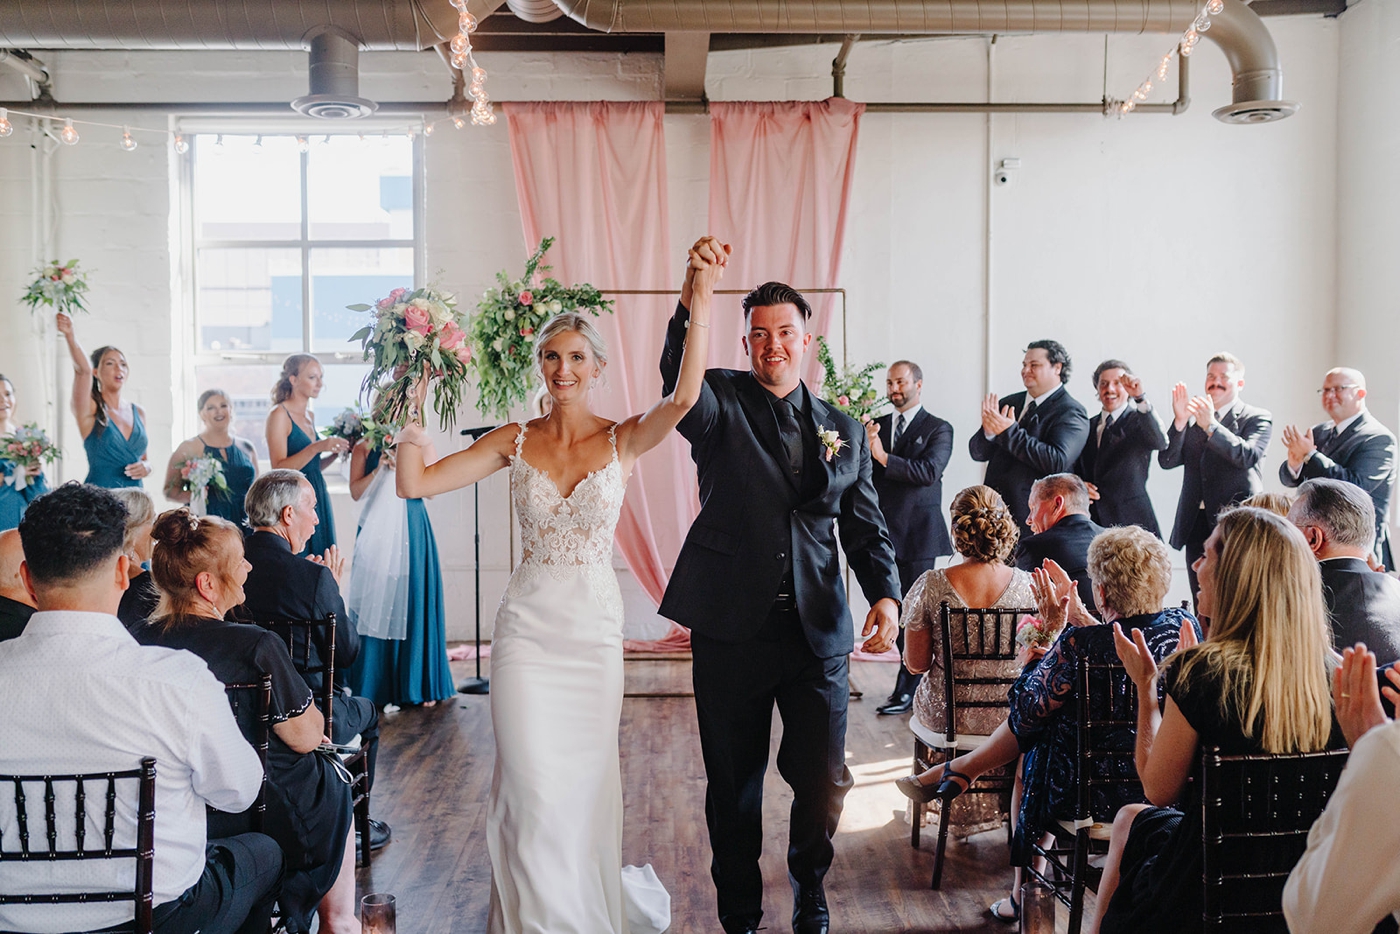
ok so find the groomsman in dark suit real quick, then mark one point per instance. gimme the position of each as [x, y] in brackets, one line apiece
[1063, 530]
[1353, 446]
[1363, 605]
[1221, 443]
[1116, 459]
[782, 476]
[910, 449]
[1032, 434]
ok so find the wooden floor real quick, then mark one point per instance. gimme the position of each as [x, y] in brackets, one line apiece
[435, 770]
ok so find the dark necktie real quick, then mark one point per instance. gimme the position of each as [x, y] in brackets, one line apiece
[1330, 441]
[898, 430]
[791, 433]
[1028, 413]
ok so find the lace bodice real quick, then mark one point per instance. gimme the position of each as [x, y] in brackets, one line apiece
[567, 535]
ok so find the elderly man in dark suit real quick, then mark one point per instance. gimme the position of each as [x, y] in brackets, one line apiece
[1116, 459]
[1363, 605]
[1031, 434]
[910, 448]
[1220, 442]
[758, 582]
[281, 507]
[1353, 446]
[1063, 530]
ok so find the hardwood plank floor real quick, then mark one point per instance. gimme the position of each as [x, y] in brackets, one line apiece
[435, 771]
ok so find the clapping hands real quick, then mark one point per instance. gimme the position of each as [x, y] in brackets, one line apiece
[331, 559]
[1057, 597]
[1299, 443]
[996, 420]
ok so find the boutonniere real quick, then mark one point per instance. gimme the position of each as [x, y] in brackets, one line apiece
[831, 440]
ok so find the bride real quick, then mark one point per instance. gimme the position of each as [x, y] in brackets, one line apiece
[554, 820]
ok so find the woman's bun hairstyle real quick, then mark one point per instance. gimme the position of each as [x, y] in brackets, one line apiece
[983, 528]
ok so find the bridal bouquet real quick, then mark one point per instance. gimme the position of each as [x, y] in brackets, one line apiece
[422, 332]
[28, 447]
[349, 424]
[850, 390]
[503, 330]
[197, 475]
[378, 436]
[58, 286]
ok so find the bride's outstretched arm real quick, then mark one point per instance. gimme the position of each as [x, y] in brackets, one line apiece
[415, 478]
[641, 433]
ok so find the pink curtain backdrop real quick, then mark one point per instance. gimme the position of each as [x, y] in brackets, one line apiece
[593, 175]
[780, 184]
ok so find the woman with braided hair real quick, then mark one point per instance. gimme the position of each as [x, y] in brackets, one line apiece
[984, 534]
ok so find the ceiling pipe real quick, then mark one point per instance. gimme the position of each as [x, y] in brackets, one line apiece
[535, 11]
[838, 66]
[25, 64]
[1258, 79]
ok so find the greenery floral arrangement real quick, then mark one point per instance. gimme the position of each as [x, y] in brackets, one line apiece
[28, 447]
[849, 389]
[349, 424]
[59, 286]
[415, 334]
[503, 330]
[197, 476]
[377, 436]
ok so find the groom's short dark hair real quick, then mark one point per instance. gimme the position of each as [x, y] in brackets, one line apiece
[776, 293]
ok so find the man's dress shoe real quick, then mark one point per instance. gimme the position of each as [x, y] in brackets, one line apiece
[379, 834]
[896, 704]
[809, 914]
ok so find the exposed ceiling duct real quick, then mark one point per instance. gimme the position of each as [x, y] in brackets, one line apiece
[535, 11]
[335, 79]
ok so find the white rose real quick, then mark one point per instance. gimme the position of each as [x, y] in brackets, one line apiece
[497, 344]
[420, 303]
[556, 306]
[510, 314]
[413, 341]
[439, 314]
[68, 278]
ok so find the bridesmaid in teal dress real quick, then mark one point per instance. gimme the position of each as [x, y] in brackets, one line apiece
[240, 459]
[113, 429]
[292, 442]
[13, 502]
[412, 670]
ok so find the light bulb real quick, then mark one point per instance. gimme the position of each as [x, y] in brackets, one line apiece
[459, 62]
[68, 135]
[458, 122]
[427, 129]
[1215, 7]
[362, 137]
[127, 142]
[6, 128]
[466, 22]
[182, 145]
[475, 90]
[1162, 68]
[303, 144]
[458, 4]
[478, 74]
[1191, 37]
[1202, 23]
[460, 44]
[412, 134]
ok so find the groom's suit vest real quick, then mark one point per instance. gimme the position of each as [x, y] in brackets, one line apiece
[754, 520]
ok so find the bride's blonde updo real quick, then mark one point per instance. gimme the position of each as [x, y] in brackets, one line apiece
[983, 528]
[562, 323]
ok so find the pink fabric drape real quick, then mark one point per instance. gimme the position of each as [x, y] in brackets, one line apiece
[593, 175]
[780, 183]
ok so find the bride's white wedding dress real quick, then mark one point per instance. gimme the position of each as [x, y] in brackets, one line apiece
[554, 821]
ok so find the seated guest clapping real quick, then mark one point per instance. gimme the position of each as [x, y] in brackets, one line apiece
[1363, 605]
[16, 605]
[1130, 570]
[281, 507]
[80, 695]
[199, 567]
[1259, 684]
[140, 598]
[983, 534]
[1349, 878]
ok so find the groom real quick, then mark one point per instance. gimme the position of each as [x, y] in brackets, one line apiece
[758, 583]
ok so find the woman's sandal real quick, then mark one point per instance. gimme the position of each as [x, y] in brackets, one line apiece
[946, 788]
[999, 904]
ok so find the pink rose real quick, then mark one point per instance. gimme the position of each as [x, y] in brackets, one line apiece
[464, 354]
[451, 336]
[417, 320]
[843, 400]
[384, 303]
[397, 294]
[526, 298]
[526, 331]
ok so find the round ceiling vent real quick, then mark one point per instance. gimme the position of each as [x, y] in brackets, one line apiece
[334, 106]
[1256, 111]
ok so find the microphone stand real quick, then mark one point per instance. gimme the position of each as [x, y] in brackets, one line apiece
[477, 685]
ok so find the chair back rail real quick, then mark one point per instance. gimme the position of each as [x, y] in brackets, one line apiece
[260, 692]
[300, 637]
[975, 634]
[143, 853]
[1256, 813]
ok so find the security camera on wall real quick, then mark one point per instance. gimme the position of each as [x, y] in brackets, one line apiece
[1005, 172]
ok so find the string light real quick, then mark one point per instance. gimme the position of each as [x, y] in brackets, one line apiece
[427, 129]
[6, 128]
[127, 142]
[1184, 47]
[303, 144]
[68, 136]
[182, 145]
[458, 122]
[464, 61]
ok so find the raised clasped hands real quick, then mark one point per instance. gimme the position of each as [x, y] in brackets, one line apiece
[881, 627]
[1299, 443]
[996, 420]
[707, 260]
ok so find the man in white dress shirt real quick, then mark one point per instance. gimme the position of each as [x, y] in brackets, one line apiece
[80, 695]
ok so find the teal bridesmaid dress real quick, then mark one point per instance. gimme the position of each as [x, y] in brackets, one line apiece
[109, 452]
[238, 474]
[324, 536]
[414, 669]
[14, 502]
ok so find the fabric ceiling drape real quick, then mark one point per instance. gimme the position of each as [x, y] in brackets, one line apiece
[593, 174]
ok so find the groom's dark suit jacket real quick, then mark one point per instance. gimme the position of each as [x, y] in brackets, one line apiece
[752, 515]
[1363, 454]
[1048, 442]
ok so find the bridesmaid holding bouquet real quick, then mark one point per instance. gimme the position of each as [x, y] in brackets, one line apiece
[20, 483]
[236, 455]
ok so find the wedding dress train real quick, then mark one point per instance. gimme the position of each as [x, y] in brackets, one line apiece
[554, 819]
